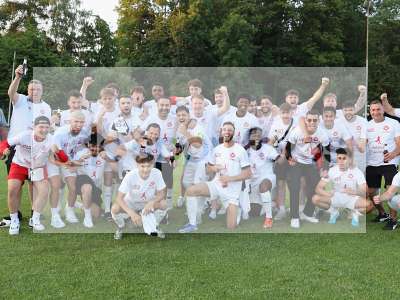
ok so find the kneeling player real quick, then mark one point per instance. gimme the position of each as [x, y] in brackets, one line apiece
[391, 195]
[349, 189]
[263, 178]
[142, 192]
[230, 162]
[29, 162]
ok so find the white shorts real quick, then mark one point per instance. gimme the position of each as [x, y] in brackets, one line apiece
[394, 203]
[223, 194]
[255, 187]
[110, 167]
[342, 200]
[64, 172]
[189, 172]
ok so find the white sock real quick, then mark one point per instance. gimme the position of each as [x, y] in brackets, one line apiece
[267, 203]
[61, 199]
[191, 208]
[36, 217]
[282, 208]
[54, 211]
[88, 213]
[119, 220]
[107, 198]
[169, 198]
[14, 217]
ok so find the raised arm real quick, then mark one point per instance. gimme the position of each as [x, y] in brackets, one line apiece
[318, 93]
[13, 88]
[227, 102]
[387, 107]
[362, 99]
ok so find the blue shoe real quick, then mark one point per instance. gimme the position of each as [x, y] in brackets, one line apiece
[333, 217]
[355, 222]
[188, 228]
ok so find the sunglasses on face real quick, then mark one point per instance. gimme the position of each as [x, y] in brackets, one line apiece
[312, 120]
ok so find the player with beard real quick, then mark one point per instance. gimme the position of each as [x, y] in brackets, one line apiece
[357, 126]
[383, 148]
[266, 115]
[230, 162]
[349, 189]
[157, 91]
[303, 150]
[300, 110]
[262, 158]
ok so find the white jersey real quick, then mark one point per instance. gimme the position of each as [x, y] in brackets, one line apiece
[396, 180]
[207, 121]
[133, 149]
[351, 178]
[93, 166]
[220, 119]
[302, 151]
[24, 114]
[277, 132]
[242, 126]
[379, 134]
[262, 161]
[337, 135]
[138, 191]
[69, 143]
[108, 119]
[266, 123]
[358, 130]
[30, 153]
[233, 159]
[66, 118]
[300, 111]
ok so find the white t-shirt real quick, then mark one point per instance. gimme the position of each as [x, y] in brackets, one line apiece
[242, 126]
[262, 161]
[300, 111]
[277, 131]
[220, 119]
[396, 180]
[158, 150]
[24, 114]
[70, 144]
[337, 135]
[207, 121]
[351, 178]
[138, 191]
[93, 166]
[379, 134]
[28, 152]
[108, 118]
[266, 123]
[66, 118]
[358, 130]
[303, 152]
[234, 159]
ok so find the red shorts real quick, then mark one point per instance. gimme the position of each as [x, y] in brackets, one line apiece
[18, 172]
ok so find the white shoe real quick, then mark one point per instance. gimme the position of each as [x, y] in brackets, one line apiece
[14, 228]
[280, 215]
[179, 201]
[213, 214]
[308, 219]
[56, 221]
[245, 215]
[295, 223]
[222, 211]
[78, 204]
[88, 222]
[70, 215]
[38, 227]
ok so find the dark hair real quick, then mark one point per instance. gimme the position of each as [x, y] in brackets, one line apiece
[229, 123]
[153, 125]
[125, 96]
[329, 109]
[341, 151]
[266, 97]
[74, 93]
[347, 104]
[292, 92]
[196, 83]
[137, 89]
[42, 120]
[285, 107]
[244, 96]
[313, 112]
[95, 139]
[253, 129]
[375, 102]
[144, 158]
[182, 108]
[113, 85]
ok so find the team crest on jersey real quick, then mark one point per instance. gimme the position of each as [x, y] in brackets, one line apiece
[98, 162]
[335, 133]
[386, 128]
[152, 183]
[350, 176]
[315, 139]
[232, 155]
[169, 124]
[262, 156]
[358, 128]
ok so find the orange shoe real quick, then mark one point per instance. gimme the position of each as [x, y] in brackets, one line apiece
[268, 223]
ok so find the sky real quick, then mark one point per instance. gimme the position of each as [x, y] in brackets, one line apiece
[105, 9]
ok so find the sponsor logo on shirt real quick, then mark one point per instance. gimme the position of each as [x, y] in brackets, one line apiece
[386, 128]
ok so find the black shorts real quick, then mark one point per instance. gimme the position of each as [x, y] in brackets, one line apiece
[374, 175]
[281, 170]
[81, 180]
[167, 173]
[9, 159]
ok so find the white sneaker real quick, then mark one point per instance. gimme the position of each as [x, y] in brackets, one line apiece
[222, 211]
[38, 227]
[88, 222]
[70, 215]
[56, 221]
[308, 219]
[78, 204]
[245, 215]
[179, 201]
[280, 215]
[14, 228]
[213, 214]
[295, 223]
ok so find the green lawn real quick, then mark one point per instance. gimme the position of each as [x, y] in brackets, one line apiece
[219, 266]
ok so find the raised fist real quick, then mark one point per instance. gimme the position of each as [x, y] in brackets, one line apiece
[19, 71]
[384, 97]
[362, 88]
[325, 81]
[88, 81]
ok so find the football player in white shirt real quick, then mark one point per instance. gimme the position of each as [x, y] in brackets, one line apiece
[89, 180]
[219, 102]
[349, 189]
[195, 87]
[392, 196]
[300, 110]
[242, 120]
[157, 92]
[303, 149]
[67, 142]
[253, 109]
[75, 104]
[141, 196]
[29, 162]
[137, 96]
[339, 136]
[230, 162]
[357, 127]
[266, 114]
[278, 136]
[263, 180]
[383, 148]
[330, 100]
[26, 108]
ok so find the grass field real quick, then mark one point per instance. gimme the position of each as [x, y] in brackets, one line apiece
[198, 266]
